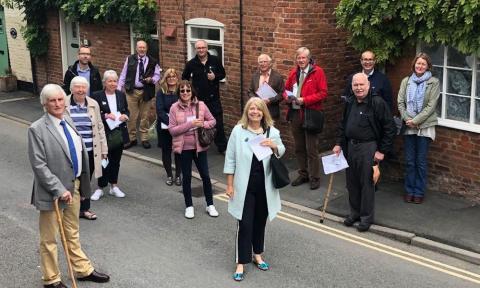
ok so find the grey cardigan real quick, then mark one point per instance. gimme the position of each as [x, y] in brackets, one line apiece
[51, 164]
[428, 116]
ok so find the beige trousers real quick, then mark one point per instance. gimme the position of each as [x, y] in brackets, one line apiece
[138, 109]
[49, 229]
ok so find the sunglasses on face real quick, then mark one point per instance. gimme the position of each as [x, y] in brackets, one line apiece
[185, 90]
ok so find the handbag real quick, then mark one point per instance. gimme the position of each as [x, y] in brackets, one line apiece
[280, 176]
[313, 120]
[114, 139]
[205, 135]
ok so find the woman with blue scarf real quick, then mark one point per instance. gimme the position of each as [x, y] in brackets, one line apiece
[417, 101]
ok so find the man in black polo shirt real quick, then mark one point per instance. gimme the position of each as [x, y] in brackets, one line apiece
[206, 71]
[366, 133]
[139, 75]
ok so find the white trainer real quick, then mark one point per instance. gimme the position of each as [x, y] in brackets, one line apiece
[189, 212]
[212, 211]
[115, 191]
[96, 195]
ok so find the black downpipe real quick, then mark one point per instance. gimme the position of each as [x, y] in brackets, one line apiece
[241, 56]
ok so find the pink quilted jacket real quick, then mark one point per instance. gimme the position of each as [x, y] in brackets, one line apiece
[178, 125]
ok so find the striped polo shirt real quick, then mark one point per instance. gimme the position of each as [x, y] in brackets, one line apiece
[81, 119]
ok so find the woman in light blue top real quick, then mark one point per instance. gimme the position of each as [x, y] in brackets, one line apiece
[249, 183]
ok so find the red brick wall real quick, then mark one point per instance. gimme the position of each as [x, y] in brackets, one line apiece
[454, 156]
[277, 28]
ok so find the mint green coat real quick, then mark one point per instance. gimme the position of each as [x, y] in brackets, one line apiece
[238, 161]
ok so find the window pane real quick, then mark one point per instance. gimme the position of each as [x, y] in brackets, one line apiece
[477, 111]
[439, 106]
[458, 108]
[206, 33]
[478, 82]
[438, 73]
[459, 82]
[435, 53]
[457, 59]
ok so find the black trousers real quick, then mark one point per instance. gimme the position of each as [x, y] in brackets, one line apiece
[165, 142]
[251, 229]
[201, 162]
[110, 174]
[361, 191]
[85, 203]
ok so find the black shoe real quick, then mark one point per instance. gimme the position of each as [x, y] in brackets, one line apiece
[314, 184]
[146, 144]
[169, 181]
[55, 285]
[299, 181]
[178, 181]
[349, 221]
[363, 227]
[130, 144]
[95, 277]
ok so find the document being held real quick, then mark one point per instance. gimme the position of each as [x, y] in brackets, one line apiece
[265, 91]
[260, 151]
[333, 163]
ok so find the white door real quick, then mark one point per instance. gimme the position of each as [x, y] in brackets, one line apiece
[70, 41]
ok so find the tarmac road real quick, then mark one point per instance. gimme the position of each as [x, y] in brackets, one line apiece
[143, 240]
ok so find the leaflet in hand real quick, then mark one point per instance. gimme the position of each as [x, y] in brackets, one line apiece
[333, 163]
[265, 91]
[261, 152]
[294, 94]
[112, 124]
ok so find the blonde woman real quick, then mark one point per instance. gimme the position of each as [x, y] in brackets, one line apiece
[166, 96]
[249, 183]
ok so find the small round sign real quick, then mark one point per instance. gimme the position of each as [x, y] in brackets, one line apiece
[13, 33]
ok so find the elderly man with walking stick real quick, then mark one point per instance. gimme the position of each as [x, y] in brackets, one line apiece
[60, 167]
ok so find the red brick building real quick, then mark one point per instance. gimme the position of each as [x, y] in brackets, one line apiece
[238, 31]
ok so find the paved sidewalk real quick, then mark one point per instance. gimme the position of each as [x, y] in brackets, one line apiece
[441, 219]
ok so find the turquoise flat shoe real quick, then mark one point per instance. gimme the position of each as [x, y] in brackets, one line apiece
[262, 266]
[238, 277]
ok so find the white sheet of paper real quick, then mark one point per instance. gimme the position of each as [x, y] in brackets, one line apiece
[294, 94]
[332, 163]
[104, 163]
[112, 124]
[260, 151]
[190, 119]
[265, 91]
[163, 126]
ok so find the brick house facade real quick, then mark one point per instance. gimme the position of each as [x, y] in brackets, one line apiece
[277, 28]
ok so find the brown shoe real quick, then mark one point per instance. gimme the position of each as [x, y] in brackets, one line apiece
[299, 181]
[130, 144]
[314, 184]
[408, 198]
[417, 200]
[55, 285]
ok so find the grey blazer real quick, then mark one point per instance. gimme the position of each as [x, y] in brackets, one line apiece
[51, 164]
[277, 83]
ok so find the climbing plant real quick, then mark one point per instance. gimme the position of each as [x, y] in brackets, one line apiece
[386, 26]
[140, 13]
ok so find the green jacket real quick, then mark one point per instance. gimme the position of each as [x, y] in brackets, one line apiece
[428, 116]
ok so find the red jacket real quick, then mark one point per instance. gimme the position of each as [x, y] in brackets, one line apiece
[314, 88]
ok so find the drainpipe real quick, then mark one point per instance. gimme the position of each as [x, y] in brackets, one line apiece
[241, 56]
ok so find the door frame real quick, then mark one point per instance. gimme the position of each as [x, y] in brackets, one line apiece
[63, 41]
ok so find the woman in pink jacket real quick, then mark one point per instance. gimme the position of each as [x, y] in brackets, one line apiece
[183, 126]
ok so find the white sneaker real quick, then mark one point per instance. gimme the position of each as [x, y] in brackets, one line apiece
[115, 191]
[189, 212]
[212, 211]
[96, 195]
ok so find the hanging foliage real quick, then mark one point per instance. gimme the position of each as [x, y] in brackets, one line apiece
[140, 13]
[385, 26]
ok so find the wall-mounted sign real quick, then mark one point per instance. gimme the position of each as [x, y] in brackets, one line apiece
[13, 33]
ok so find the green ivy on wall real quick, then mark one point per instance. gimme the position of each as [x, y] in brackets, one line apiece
[140, 13]
[385, 26]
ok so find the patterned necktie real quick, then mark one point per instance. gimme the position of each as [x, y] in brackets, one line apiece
[300, 84]
[141, 70]
[71, 147]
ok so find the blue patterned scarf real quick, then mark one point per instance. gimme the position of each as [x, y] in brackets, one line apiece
[416, 93]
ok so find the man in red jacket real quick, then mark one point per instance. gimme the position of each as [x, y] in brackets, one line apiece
[306, 88]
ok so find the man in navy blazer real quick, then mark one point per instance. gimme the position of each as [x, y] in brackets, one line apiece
[59, 161]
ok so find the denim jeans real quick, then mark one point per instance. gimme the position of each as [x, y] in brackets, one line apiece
[416, 149]
[201, 162]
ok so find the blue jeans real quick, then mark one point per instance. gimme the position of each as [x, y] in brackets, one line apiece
[416, 149]
[201, 162]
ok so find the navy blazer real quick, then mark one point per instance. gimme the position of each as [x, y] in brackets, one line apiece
[122, 107]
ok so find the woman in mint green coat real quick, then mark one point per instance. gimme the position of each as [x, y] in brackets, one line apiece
[249, 183]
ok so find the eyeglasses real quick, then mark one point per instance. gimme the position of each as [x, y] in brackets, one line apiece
[185, 91]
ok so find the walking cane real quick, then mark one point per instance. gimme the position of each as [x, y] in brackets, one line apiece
[64, 242]
[327, 195]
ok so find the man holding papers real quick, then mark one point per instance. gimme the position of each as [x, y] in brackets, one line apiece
[267, 84]
[366, 133]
